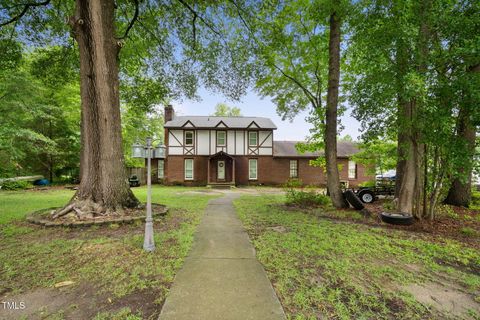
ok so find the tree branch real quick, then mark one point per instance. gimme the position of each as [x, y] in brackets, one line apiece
[196, 15]
[24, 11]
[132, 22]
[305, 90]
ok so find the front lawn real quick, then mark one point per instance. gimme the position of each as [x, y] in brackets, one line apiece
[324, 268]
[113, 278]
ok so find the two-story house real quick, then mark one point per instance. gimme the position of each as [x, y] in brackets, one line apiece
[208, 150]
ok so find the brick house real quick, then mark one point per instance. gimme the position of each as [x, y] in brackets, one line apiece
[208, 150]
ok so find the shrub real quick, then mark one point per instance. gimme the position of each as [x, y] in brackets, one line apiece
[15, 185]
[307, 198]
[389, 205]
[469, 232]
[296, 195]
[444, 210]
[367, 184]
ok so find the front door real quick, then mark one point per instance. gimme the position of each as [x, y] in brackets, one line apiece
[221, 170]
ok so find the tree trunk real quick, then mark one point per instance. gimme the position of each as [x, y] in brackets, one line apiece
[460, 192]
[401, 154]
[104, 184]
[333, 178]
[402, 105]
[412, 187]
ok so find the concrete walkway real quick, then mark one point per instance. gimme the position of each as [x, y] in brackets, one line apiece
[221, 278]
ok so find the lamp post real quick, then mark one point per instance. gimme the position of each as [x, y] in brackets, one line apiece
[139, 151]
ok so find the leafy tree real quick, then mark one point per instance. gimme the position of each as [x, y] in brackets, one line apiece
[151, 35]
[413, 86]
[223, 110]
[298, 46]
[39, 128]
[378, 156]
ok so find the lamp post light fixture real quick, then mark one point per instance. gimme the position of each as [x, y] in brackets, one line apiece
[139, 151]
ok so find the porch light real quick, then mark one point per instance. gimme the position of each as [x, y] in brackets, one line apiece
[138, 151]
[159, 152]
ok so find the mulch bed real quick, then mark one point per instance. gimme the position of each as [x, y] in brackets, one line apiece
[443, 226]
[43, 217]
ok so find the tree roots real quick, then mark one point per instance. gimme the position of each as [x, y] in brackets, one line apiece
[86, 209]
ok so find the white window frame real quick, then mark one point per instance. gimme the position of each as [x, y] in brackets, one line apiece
[249, 139]
[250, 176]
[224, 144]
[293, 169]
[352, 169]
[161, 169]
[193, 138]
[185, 169]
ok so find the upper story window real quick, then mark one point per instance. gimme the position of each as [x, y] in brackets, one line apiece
[189, 138]
[221, 138]
[352, 170]
[252, 138]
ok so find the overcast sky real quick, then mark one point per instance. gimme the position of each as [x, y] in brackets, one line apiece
[253, 105]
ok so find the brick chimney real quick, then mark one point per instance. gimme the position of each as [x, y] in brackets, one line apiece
[169, 113]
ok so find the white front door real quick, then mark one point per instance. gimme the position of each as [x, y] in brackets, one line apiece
[221, 170]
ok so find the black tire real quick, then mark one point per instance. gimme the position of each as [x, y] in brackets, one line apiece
[366, 196]
[397, 218]
[353, 200]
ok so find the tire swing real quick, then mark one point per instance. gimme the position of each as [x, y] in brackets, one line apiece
[398, 218]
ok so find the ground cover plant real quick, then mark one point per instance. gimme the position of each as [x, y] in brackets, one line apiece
[327, 268]
[113, 278]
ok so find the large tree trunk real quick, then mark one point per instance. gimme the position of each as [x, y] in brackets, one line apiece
[460, 192]
[104, 184]
[333, 178]
[411, 198]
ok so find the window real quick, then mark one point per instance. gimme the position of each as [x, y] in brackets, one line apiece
[189, 138]
[352, 170]
[221, 138]
[293, 169]
[252, 169]
[188, 169]
[161, 168]
[252, 138]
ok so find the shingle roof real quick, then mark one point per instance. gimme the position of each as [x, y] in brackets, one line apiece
[345, 149]
[229, 122]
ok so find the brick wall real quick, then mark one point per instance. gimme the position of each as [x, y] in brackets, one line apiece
[271, 171]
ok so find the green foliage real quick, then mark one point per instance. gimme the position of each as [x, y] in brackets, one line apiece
[444, 210]
[369, 184]
[389, 206]
[224, 110]
[469, 232]
[15, 185]
[378, 156]
[298, 196]
[423, 57]
[40, 115]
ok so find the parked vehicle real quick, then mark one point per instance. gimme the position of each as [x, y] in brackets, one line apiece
[384, 186]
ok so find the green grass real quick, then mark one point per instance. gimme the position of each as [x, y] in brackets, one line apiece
[342, 270]
[108, 259]
[16, 204]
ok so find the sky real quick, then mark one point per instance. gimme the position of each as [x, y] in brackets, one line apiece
[253, 105]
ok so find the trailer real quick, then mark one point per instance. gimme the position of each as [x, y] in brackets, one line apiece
[384, 186]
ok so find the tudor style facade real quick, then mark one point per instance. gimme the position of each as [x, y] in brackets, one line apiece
[240, 151]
